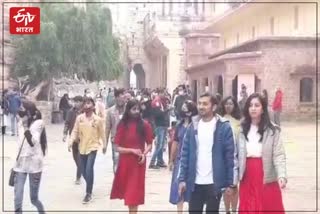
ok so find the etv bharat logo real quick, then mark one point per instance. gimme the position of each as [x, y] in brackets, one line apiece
[24, 20]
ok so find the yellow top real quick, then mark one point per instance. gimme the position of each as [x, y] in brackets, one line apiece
[235, 124]
[89, 132]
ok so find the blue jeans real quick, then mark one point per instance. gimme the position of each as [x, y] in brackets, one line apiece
[115, 158]
[13, 122]
[34, 182]
[161, 133]
[87, 168]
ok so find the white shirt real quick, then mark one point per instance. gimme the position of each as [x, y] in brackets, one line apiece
[254, 147]
[204, 174]
[31, 158]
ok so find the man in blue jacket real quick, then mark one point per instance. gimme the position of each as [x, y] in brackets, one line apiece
[14, 102]
[209, 159]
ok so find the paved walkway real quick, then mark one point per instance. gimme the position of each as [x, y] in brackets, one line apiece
[59, 193]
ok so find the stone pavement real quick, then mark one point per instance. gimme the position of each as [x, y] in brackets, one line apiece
[58, 192]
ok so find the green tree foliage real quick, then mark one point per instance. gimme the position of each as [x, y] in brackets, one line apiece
[72, 40]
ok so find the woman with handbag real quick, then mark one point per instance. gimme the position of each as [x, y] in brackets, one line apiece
[32, 149]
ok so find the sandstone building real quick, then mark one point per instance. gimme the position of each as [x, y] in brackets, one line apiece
[261, 45]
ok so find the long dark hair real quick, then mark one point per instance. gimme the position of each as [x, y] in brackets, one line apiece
[236, 110]
[126, 118]
[265, 121]
[192, 107]
[34, 114]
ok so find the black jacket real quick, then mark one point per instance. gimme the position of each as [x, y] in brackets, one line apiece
[70, 120]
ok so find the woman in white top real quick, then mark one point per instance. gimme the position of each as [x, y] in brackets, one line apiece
[262, 161]
[30, 162]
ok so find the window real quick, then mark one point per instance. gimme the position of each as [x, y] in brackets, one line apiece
[296, 17]
[306, 89]
[253, 32]
[272, 25]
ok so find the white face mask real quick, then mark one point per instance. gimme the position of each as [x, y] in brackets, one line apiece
[145, 99]
[181, 92]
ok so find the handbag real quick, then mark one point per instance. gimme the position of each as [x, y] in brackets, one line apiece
[12, 172]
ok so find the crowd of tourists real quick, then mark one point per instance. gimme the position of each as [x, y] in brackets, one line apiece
[218, 147]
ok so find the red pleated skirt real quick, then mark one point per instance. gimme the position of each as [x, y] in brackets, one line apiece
[256, 197]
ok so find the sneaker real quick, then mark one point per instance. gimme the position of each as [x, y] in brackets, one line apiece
[77, 182]
[163, 165]
[154, 167]
[87, 199]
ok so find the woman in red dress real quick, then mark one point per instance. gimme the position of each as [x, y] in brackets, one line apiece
[262, 160]
[133, 133]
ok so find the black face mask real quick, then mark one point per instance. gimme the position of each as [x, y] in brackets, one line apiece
[183, 114]
[22, 113]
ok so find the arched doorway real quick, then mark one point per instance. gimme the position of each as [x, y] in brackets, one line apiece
[140, 76]
[235, 87]
[220, 85]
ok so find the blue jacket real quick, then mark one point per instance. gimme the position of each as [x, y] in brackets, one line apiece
[14, 103]
[224, 156]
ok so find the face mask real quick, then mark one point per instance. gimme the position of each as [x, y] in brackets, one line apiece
[181, 92]
[135, 115]
[22, 113]
[87, 110]
[183, 114]
[145, 99]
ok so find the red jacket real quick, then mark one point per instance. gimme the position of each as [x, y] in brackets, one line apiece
[277, 103]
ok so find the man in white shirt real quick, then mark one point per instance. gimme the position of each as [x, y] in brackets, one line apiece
[209, 160]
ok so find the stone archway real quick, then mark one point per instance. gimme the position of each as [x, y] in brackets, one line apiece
[235, 87]
[140, 76]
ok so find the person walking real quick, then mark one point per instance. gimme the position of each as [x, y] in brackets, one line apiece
[89, 130]
[133, 141]
[189, 110]
[68, 127]
[230, 110]
[208, 163]
[32, 147]
[14, 102]
[114, 115]
[64, 105]
[182, 96]
[262, 160]
[161, 115]
[277, 106]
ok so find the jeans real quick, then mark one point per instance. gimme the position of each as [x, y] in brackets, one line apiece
[115, 158]
[76, 158]
[34, 182]
[276, 116]
[204, 194]
[161, 133]
[13, 122]
[87, 168]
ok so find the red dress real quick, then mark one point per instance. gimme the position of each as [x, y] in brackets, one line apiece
[129, 180]
[254, 195]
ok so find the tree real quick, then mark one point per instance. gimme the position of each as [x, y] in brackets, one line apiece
[72, 40]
